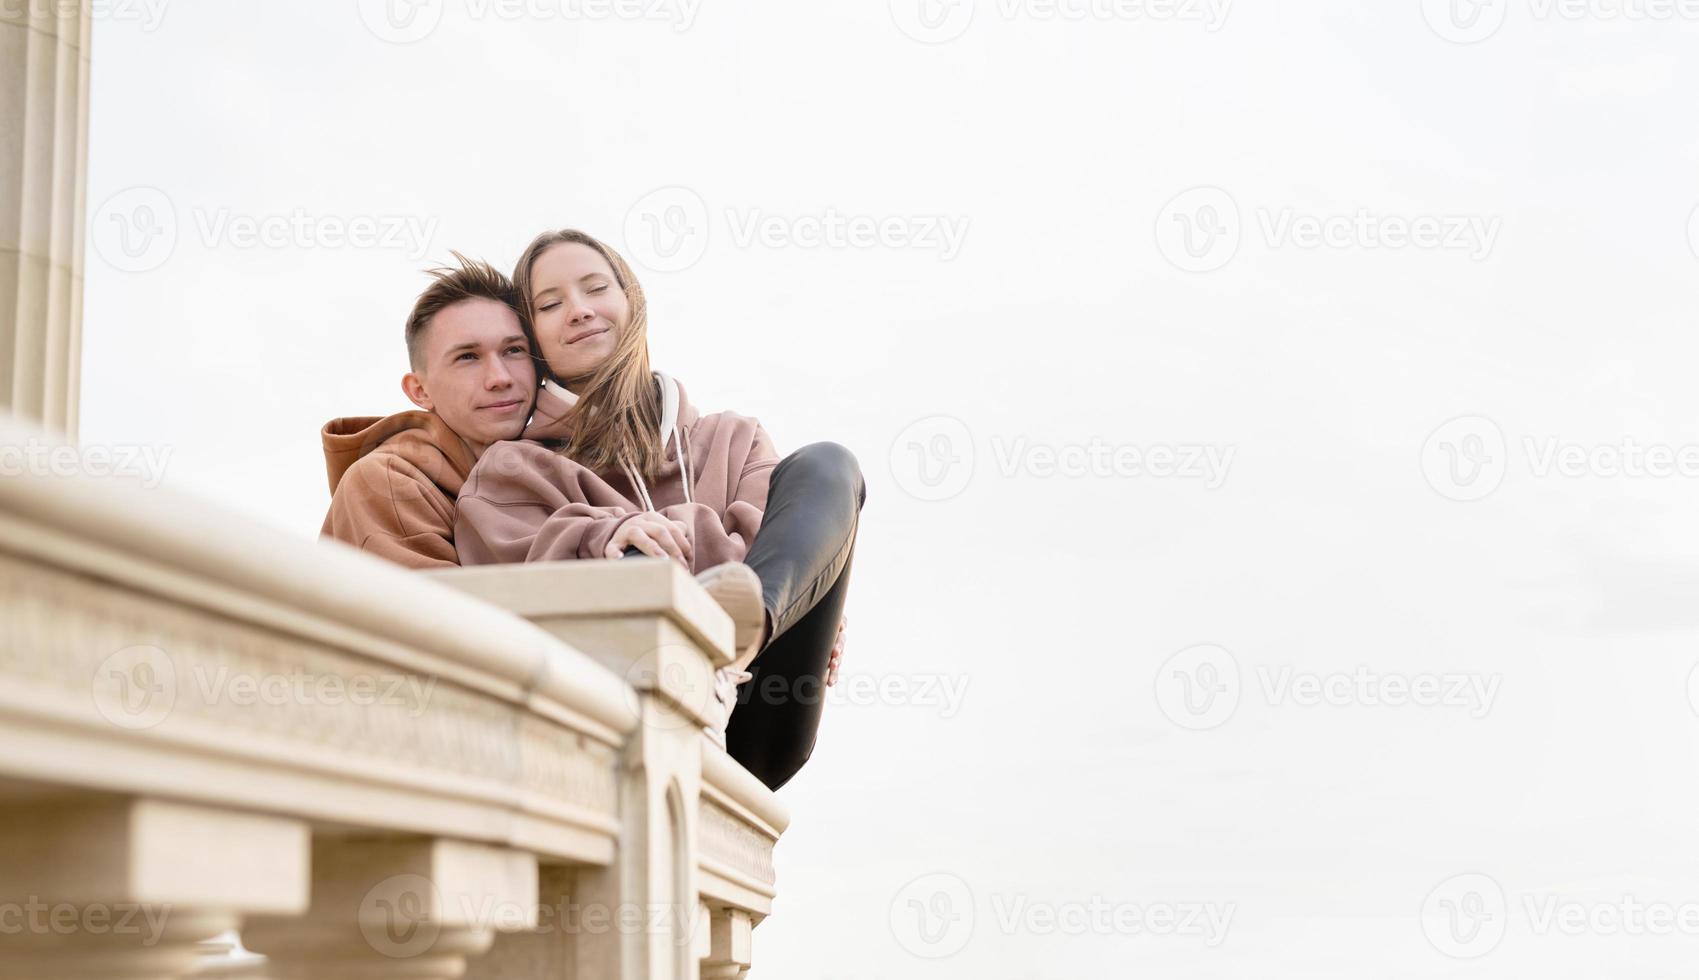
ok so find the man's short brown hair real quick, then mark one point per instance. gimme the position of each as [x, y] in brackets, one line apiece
[472, 280]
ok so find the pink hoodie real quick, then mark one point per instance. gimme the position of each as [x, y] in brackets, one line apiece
[524, 501]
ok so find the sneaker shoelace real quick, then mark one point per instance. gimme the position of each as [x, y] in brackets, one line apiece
[726, 681]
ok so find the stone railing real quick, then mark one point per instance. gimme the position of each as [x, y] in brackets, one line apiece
[208, 727]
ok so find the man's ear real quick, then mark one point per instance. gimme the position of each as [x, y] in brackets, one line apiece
[414, 387]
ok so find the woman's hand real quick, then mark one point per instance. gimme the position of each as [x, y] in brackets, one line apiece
[837, 654]
[654, 535]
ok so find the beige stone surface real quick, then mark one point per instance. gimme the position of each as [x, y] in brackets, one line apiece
[44, 79]
[554, 592]
[525, 762]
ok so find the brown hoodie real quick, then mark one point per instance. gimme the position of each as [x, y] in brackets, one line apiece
[527, 502]
[392, 486]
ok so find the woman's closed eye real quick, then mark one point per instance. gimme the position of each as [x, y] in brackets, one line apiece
[548, 306]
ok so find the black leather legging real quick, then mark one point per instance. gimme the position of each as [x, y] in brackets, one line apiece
[802, 554]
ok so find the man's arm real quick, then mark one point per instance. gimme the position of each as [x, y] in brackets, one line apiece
[386, 506]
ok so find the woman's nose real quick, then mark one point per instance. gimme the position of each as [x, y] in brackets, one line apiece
[581, 314]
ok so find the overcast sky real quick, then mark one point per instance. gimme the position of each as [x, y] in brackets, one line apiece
[1273, 416]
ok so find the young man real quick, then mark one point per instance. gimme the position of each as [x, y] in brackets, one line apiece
[394, 480]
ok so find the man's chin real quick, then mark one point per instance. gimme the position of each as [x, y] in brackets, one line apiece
[486, 434]
[504, 435]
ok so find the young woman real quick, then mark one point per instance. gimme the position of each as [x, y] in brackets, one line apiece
[616, 461]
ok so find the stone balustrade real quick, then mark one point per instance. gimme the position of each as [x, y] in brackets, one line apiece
[209, 726]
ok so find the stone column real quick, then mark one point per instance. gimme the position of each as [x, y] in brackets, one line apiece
[44, 87]
[649, 622]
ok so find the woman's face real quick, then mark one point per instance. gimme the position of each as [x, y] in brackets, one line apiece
[579, 309]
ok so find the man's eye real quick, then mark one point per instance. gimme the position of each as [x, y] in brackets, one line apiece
[516, 349]
[465, 354]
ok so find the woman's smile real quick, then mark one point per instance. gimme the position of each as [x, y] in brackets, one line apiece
[583, 335]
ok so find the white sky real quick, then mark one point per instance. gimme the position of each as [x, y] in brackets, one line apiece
[1059, 323]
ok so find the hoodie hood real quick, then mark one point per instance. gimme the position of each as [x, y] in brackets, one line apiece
[421, 438]
[549, 424]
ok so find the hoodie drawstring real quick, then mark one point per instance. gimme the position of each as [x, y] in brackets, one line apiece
[684, 464]
[636, 479]
[686, 472]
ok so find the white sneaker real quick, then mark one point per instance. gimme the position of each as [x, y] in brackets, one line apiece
[737, 589]
[726, 681]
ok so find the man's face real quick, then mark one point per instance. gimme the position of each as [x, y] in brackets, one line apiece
[476, 372]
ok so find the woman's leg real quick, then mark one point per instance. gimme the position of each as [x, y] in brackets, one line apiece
[778, 714]
[802, 555]
[807, 531]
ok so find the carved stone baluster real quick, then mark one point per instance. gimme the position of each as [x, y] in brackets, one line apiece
[415, 908]
[729, 945]
[129, 888]
[548, 951]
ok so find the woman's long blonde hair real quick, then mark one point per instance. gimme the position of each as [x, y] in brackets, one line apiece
[618, 413]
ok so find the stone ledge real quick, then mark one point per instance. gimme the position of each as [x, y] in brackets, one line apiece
[188, 550]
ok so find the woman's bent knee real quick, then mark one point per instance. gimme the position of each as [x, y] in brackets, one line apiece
[827, 462]
[776, 769]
